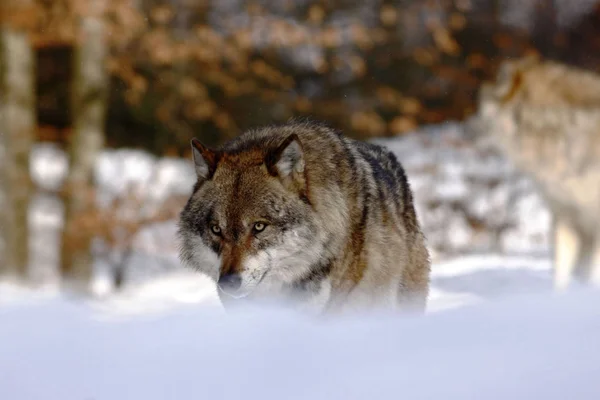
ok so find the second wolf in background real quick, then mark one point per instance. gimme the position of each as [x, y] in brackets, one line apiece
[545, 117]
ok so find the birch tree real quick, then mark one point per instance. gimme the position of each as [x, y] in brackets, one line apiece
[90, 92]
[17, 123]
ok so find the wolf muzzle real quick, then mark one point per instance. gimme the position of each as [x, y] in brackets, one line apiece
[230, 283]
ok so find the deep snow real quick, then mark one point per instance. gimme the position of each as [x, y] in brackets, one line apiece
[493, 330]
[533, 347]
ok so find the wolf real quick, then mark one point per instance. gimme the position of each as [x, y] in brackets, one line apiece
[300, 214]
[545, 117]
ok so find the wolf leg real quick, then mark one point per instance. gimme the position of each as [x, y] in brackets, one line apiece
[567, 247]
[593, 273]
[413, 300]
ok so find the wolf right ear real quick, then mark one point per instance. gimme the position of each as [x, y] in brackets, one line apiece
[288, 164]
[288, 159]
[205, 160]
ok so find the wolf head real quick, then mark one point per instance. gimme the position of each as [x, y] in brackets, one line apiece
[249, 224]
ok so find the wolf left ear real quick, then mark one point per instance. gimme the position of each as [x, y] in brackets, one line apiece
[205, 160]
[287, 162]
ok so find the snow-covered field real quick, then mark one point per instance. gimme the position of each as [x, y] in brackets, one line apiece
[494, 329]
[531, 347]
[463, 281]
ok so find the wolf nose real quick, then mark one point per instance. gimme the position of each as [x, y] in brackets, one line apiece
[230, 282]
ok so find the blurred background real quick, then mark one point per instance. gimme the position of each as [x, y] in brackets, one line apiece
[100, 98]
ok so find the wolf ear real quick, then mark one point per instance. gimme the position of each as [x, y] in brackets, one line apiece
[205, 160]
[287, 162]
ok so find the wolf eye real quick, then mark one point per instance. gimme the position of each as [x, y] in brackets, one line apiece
[259, 226]
[215, 229]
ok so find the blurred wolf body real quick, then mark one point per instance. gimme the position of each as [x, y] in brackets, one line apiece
[545, 117]
[300, 214]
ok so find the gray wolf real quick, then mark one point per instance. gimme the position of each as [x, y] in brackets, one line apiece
[302, 214]
[545, 117]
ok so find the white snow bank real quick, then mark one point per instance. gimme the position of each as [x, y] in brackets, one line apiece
[482, 278]
[459, 282]
[530, 348]
[158, 296]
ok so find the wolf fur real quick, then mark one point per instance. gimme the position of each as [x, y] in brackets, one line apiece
[300, 213]
[545, 117]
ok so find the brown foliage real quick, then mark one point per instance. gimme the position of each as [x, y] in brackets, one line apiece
[208, 69]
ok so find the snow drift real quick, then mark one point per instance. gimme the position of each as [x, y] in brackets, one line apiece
[537, 347]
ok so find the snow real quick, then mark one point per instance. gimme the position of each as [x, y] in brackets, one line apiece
[533, 347]
[49, 165]
[494, 329]
[458, 282]
[483, 278]
[151, 177]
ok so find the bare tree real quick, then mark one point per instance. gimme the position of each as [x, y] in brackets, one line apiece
[17, 123]
[90, 92]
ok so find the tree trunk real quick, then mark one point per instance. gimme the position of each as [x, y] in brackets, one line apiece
[90, 93]
[17, 124]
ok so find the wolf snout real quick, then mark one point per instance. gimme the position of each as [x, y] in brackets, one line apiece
[230, 283]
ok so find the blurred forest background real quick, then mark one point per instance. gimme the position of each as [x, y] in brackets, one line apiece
[90, 75]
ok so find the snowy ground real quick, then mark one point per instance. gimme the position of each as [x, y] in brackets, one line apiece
[493, 330]
[531, 347]
[463, 281]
